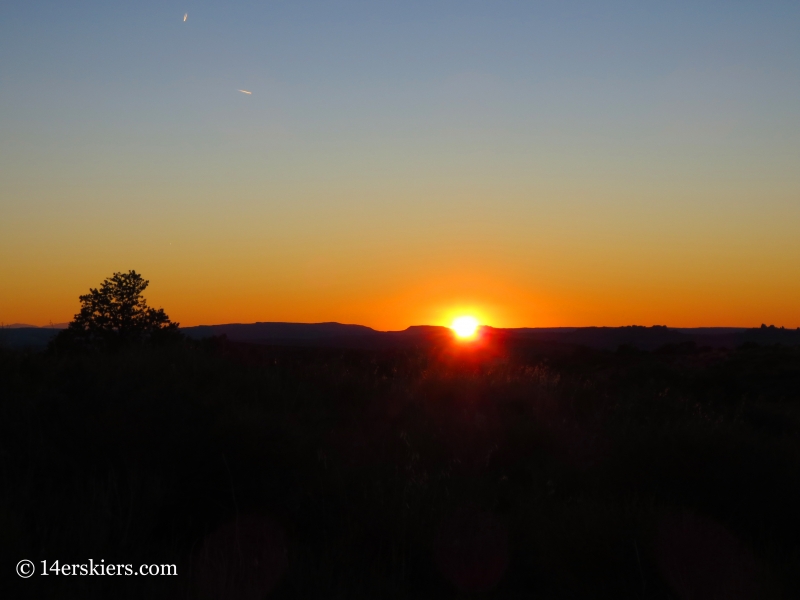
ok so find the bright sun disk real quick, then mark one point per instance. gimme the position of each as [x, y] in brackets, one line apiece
[465, 327]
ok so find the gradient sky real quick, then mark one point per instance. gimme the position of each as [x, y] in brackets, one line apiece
[535, 163]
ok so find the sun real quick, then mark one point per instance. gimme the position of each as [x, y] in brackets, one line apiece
[465, 327]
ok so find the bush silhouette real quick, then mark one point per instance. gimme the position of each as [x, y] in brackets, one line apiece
[116, 315]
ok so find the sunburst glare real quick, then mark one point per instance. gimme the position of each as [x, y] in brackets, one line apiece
[465, 327]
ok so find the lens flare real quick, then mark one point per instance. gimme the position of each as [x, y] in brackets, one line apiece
[465, 327]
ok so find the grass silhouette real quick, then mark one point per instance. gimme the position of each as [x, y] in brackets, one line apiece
[535, 470]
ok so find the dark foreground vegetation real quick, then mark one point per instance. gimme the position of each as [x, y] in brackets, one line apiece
[526, 471]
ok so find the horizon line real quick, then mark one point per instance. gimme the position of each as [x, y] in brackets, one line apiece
[63, 325]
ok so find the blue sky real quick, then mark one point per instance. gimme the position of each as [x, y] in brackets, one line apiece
[612, 130]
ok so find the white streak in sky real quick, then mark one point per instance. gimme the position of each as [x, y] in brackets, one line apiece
[185, 16]
[245, 92]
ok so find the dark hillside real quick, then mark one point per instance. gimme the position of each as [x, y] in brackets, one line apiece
[511, 468]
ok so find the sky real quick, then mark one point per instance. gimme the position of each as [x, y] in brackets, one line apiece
[535, 164]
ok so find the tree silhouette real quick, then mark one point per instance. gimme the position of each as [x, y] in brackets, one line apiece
[116, 315]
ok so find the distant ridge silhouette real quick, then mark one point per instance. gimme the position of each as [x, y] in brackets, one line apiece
[26, 326]
[341, 335]
[319, 334]
[278, 331]
[611, 338]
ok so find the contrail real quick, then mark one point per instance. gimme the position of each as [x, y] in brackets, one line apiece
[185, 16]
[246, 92]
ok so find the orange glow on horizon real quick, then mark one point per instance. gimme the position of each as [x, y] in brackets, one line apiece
[210, 295]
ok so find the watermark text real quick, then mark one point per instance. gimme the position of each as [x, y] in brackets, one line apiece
[26, 568]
